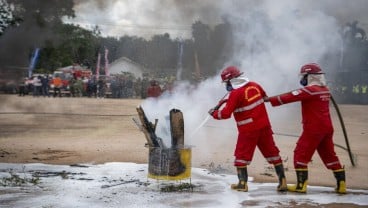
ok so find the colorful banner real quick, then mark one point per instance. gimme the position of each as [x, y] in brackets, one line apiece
[106, 63]
[98, 65]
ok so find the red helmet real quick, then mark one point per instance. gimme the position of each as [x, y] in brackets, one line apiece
[311, 68]
[230, 73]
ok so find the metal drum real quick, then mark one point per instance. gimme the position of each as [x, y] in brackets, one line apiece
[170, 163]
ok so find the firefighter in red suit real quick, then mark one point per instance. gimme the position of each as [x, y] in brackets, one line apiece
[245, 102]
[317, 127]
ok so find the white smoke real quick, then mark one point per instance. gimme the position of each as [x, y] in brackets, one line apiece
[146, 18]
[273, 40]
[193, 101]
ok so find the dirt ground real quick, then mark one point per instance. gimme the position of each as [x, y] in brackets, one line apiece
[95, 131]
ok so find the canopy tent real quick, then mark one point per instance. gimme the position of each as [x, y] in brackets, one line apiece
[124, 64]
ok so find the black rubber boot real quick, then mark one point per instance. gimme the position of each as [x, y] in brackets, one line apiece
[340, 180]
[302, 180]
[243, 179]
[279, 168]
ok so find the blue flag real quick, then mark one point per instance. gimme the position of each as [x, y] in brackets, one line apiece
[33, 62]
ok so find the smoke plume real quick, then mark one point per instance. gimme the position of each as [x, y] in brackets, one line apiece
[273, 40]
[146, 18]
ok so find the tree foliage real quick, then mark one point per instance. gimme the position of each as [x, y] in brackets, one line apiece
[7, 19]
[355, 54]
[39, 19]
[74, 45]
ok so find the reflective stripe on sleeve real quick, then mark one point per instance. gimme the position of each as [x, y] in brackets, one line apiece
[315, 93]
[219, 115]
[279, 99]
[249, 107]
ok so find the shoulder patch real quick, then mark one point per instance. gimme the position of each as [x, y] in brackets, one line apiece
[295, 92]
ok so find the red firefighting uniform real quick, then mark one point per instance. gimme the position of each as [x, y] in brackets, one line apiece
[254, 128]
[317, 125]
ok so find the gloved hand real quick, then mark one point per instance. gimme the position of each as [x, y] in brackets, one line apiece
[266, 99]
[220, 103]
[211, 111]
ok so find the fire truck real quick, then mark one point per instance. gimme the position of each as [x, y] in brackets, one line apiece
[67, 74]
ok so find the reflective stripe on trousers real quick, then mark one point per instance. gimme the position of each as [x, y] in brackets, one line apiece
[243, 122]
[242, 162]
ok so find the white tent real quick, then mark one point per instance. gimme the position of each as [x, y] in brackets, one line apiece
[124, 64]
[72, 67]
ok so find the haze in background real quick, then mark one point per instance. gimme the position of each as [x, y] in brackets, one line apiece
[146, 18]
[273, 40]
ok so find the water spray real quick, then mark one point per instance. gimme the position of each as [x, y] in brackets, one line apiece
[200, 126]
[221, 102]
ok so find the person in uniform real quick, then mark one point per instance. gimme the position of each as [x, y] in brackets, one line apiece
[317, 127]
[245, 102]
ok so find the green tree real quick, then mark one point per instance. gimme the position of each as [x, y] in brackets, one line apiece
[163, 52]
[355, 48]
[38, 27]
[74, 45]
[202, 34]
[222, 46]
[7, 19]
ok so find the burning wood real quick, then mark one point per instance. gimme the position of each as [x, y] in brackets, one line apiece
[172, 163]
[149, 129]
[177, 128]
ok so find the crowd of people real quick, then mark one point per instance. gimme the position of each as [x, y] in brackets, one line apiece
[356, 93]
[114, 86]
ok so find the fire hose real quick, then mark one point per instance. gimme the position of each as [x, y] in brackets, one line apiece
[344, 131]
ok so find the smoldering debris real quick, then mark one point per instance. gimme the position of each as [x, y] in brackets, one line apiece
[169, 163]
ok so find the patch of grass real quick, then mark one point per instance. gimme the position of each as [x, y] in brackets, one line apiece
[183, 187]
[15, 180]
